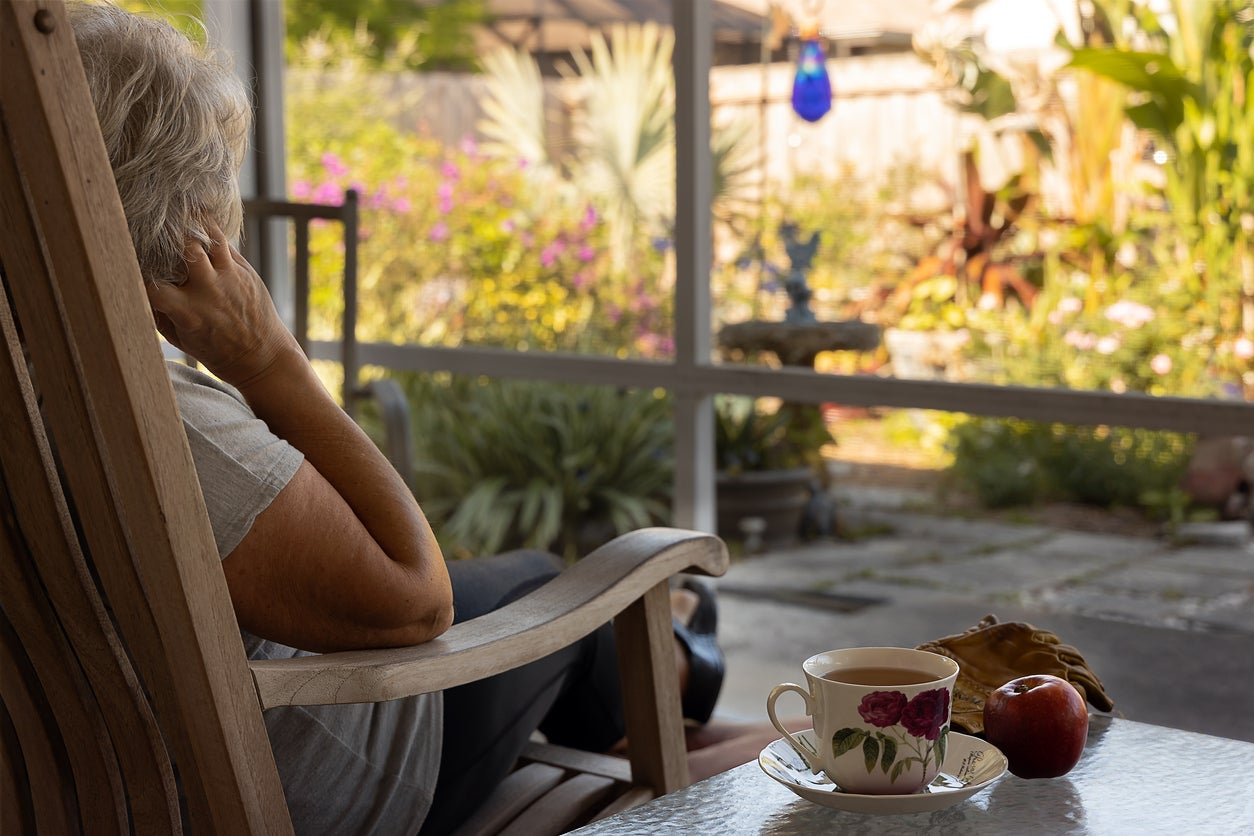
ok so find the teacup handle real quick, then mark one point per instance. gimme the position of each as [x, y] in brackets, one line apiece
[775, 694]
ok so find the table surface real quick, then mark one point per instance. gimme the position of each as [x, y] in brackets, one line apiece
[1132, 778]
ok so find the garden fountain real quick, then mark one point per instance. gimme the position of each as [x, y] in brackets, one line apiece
[800, 337]
[796, 341]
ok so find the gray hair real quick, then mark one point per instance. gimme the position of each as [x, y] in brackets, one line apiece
[175, 121]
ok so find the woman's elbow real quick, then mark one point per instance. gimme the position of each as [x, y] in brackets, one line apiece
[431, 616]
[440, 620]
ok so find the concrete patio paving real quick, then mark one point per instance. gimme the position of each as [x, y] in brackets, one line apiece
[1169, 628]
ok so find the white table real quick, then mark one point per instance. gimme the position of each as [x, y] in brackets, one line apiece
[1134, 778]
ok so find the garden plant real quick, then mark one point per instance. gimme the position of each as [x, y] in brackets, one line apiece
[535, 238]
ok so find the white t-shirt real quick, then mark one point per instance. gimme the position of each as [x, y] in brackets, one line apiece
[346, 769]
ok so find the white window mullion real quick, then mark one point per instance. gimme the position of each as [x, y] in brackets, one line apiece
[694, 503]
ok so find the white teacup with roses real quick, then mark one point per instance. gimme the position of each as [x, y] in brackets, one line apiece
[881, 717]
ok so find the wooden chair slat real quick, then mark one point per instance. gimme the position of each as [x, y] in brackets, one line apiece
[42, 750]
[567, 805]
[113, 417]
[618, 769]
[97, 778]
[651, 702]
[517, 792]
[575, 760]
[16, 815]
[67, 588]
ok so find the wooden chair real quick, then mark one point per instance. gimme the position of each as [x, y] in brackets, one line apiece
[121, 663]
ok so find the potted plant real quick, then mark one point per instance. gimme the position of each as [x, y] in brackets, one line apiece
[769, 465]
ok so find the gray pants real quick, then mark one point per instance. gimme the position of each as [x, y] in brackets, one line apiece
[573, 696]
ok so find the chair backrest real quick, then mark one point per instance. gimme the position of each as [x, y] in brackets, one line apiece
[121, 664]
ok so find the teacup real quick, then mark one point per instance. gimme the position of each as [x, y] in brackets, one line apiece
[881, 717]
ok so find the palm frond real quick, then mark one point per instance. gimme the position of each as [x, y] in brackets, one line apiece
[627, 130]
[515, 123]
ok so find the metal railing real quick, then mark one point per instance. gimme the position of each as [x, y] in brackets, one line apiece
[392, 404]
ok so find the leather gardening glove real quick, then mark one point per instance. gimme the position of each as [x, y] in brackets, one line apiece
[992, 653]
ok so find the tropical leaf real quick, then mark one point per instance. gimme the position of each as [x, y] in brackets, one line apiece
[1187, 75]
[627, 512]
[622, 151]
[626, 133]
[1151, 73]
[514, 120]
[532, 504]
[990, 95]
[1148, 116]
[747, 439]
[549, 526]
[737, 173]
[484, 515]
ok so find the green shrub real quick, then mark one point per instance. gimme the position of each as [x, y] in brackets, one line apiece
[1008, 462]
[510, 464]
[1116, 466]
[748, 438]
[997, 460]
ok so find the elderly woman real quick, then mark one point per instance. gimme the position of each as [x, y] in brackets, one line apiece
[323, 546]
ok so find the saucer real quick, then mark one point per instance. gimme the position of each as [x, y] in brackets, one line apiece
[970, 765]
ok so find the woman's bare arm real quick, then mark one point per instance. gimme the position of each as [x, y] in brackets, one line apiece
[343, 557]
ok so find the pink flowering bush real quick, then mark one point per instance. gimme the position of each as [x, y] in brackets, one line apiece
[457, 248]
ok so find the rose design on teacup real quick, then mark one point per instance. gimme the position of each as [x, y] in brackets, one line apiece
[924, 719]
[882, 708]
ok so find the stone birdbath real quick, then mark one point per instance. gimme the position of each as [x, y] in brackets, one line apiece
[800, 337]
[797, 341]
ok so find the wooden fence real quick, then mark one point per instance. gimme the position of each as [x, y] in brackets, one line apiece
[888, 118]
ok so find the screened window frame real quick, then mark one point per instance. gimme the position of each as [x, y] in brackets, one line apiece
[694, 377]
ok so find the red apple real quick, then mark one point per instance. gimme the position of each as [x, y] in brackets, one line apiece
[1039, 723]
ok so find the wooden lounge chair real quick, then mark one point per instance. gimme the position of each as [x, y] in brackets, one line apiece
[121, 663]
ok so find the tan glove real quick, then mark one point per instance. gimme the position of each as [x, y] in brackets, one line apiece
[992, 653]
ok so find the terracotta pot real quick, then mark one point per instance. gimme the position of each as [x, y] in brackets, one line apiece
[777, 497]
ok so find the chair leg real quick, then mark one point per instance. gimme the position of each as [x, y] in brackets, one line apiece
[646, 662]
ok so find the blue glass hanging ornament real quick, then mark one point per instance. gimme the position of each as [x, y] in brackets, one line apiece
[811, 89]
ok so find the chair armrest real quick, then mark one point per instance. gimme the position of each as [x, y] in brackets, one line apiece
[578, 601]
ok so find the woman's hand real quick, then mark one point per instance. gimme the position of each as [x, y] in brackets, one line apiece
[222, 314]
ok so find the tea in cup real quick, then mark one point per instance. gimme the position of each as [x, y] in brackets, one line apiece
[881, 717]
